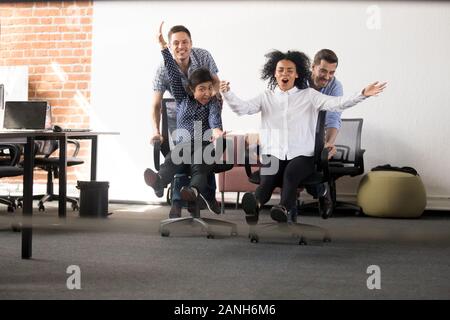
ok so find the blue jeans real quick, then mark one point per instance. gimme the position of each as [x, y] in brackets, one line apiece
[180, 180]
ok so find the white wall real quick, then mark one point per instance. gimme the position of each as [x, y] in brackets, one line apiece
[404, 43]
[15, 86]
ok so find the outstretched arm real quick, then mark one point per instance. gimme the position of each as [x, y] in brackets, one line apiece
[215, 117]
[239, 106]
[178, 91]
[324, 102]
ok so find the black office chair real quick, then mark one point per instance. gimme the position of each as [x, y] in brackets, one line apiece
[168, 124]
[9, 159]
[321, 175]
[348, 161]
[44, 149]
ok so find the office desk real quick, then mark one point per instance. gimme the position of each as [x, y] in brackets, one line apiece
[28, 138]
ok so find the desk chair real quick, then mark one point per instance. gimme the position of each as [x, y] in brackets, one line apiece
[348, 161]
[9, 159]
[168, 124]
[321, 175]
[44, 149]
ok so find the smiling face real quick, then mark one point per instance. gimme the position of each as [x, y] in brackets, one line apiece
[323, 73]
[180, 45]
[286, 73]
[203, 92]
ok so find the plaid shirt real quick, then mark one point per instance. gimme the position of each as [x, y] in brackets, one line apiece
[333, 118]
[199, 58]
[189, 110]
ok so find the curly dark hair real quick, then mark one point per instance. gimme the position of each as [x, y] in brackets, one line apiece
[301, 61]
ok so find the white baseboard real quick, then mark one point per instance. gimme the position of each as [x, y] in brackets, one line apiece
[433, 202]
[16, 189]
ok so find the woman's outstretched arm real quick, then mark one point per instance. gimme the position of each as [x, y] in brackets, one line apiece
[240, 107]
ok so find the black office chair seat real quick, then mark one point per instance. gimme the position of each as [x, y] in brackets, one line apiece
[10, 171]
[54, 161]
[341, 170]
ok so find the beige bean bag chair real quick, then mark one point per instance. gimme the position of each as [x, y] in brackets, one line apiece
[392, 194]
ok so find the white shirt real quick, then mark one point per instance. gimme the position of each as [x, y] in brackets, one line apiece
[289, 118]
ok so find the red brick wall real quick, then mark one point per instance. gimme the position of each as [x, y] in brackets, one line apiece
[54, 39]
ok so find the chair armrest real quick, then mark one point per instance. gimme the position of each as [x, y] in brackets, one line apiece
[77, 146]
[156, 154]
[342, 153]
[359, 159]
[248, 156]
[323, 164]
[14, 152]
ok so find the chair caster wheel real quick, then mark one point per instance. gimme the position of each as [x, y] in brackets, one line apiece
[41, 207]
[326, 239]
[19, 204]
[210, 236]
[253, 238]
[11, 209]
[16, 227]
[165, 233]
[302, 241]
[75, 207]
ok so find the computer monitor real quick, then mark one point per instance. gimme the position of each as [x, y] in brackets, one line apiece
[25, 115]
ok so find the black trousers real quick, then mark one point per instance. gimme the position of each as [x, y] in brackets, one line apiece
[289, 176]
[195, 166]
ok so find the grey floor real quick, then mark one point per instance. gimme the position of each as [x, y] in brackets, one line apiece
[124, 257]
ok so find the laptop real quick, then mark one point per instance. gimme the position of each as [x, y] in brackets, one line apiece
[28, 115]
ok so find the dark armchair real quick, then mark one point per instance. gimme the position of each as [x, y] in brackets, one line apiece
[321, 175]
[349, 160]
[9, 159]
[46, 159]
[168, 124]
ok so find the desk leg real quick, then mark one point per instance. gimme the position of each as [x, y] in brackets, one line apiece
[94, 143]
[62, 208]
[27, 211]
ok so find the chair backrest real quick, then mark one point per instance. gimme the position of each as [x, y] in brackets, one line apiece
[319, 142]
[168, 120]
[45, 147]
[348, 141]
[168, 123]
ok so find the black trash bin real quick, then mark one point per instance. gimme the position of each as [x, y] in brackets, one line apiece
[93, 198]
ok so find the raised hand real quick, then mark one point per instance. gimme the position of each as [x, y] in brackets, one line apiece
[216, 134]
[160, 37]
[374, 89]
[224, 86]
